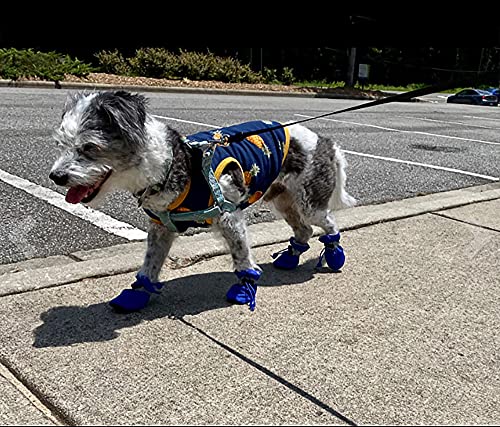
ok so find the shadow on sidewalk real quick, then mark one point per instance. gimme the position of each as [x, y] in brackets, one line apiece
[189, 295]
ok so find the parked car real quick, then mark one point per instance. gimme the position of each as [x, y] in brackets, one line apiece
[473, 96]
[494, 91]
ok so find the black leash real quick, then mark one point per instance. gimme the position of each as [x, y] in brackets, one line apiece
[405, 96]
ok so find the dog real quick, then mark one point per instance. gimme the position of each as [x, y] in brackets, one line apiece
[109, 140]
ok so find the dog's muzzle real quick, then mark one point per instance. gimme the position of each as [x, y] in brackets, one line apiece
[60, 178]
[80, 193]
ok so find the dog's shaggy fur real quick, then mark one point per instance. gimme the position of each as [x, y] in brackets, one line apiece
[111, 141]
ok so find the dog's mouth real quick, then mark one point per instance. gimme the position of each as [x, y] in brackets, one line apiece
[84, 193]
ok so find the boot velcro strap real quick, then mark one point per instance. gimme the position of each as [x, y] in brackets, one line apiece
[143, 281]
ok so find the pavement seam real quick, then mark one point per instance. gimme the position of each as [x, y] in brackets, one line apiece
[36, 399]
[437, 212]
[271, 374]
[484, 227]
[70, 282]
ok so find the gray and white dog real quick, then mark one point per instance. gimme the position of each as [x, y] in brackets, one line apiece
[109, 141]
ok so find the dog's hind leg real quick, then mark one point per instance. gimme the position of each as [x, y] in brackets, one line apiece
[285, 204]
[233, 228]
[323, 217]
[333, 253]
[160, 241]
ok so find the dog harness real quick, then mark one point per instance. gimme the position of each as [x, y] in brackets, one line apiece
[258, 157]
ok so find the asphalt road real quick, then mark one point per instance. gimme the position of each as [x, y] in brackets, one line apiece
[394, 151]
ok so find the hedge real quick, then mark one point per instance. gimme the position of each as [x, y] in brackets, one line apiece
[16, 64]
[147, 62]
[161, 63]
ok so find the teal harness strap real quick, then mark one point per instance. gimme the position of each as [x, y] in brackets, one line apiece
[213, 184]
[220, 206]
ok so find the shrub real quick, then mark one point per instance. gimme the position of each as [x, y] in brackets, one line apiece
[228, 69]
[113, 62]
[16, 64]
[207, 66]
[154, 62]
[198, 66]
[13, 64]
[287, 76]
[271, 75]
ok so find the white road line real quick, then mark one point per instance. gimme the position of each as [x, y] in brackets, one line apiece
[390, 159]
[99, 219]
[482, 118]
[405, 131]
[425, 165]
[448, 122]
[184, 121]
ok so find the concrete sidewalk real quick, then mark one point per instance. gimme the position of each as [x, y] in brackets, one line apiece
[406, 334]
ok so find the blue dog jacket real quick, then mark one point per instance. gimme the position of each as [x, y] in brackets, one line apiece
[258, 157]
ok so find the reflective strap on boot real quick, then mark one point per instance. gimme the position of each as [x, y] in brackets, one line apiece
[245, 291]
[294, 248]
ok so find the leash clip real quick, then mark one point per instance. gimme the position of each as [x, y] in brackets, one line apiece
[148, 191]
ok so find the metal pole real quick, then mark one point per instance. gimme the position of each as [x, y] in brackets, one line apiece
[350, 69]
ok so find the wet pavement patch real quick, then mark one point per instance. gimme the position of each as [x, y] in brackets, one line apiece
[442, 148]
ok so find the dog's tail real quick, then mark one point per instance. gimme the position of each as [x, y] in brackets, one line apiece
[340, 198]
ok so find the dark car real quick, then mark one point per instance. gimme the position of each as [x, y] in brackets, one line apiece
[474, 97]
[494, 91]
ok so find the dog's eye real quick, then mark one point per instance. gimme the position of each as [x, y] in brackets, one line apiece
[88, 148]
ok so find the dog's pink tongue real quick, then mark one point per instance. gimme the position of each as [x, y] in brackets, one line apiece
[76, 194]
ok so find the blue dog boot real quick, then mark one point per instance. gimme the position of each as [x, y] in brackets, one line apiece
[138, 297]
[332, 253]
[288, 258]
[245, 291]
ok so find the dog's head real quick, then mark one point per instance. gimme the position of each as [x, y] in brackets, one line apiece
[102, 136]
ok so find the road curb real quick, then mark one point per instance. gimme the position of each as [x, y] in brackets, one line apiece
[188, 250]
[141, 88]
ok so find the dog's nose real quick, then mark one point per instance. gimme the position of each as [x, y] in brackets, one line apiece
[60, 178]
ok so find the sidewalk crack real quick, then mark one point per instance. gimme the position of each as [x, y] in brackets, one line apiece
[485, 227]
[47, 410]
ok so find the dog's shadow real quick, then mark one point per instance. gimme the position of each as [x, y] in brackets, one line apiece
[188, 295]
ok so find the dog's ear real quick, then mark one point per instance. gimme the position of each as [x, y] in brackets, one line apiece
[72, 99]
[125, 112]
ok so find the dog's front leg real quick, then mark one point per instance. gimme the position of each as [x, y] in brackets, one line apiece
[233, 228]
[160, 241]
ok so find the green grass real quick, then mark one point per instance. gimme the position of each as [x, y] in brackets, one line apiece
[319, 83]
[369, 86]
[407, 88]
[382, 88]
